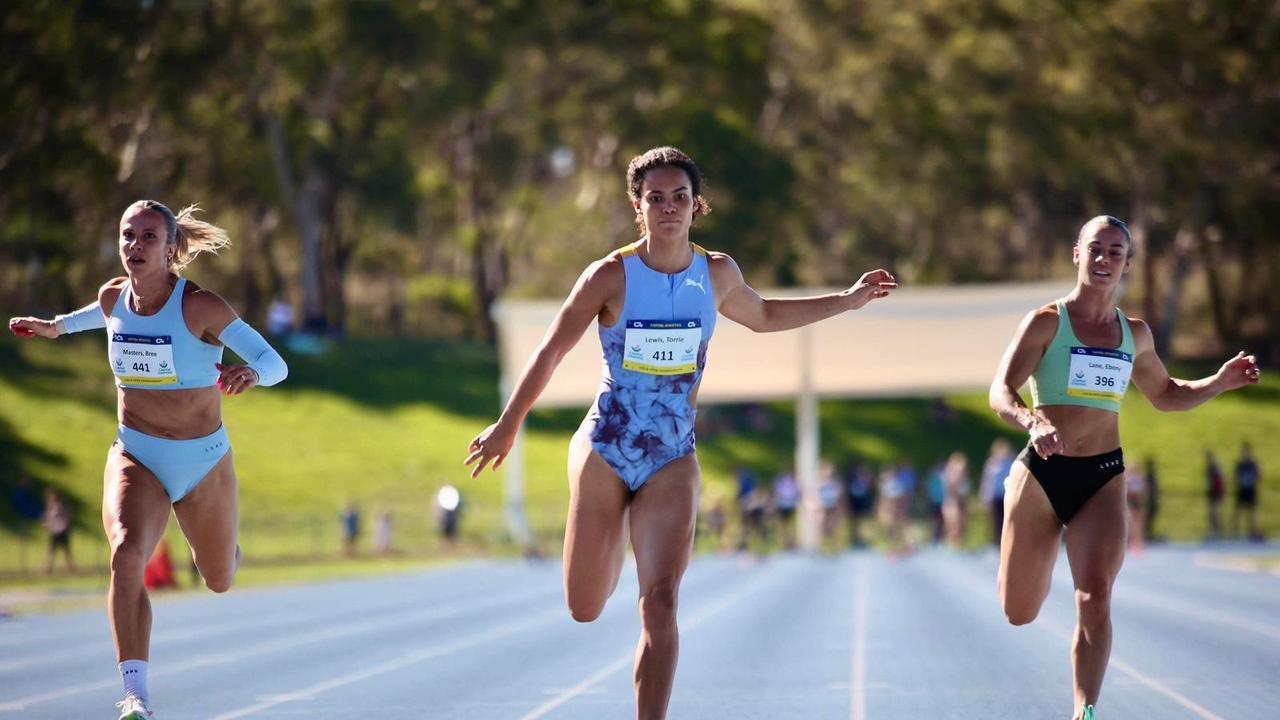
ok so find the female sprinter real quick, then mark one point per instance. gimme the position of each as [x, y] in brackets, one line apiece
[1079, 354]
[656, 302]
[165, 341]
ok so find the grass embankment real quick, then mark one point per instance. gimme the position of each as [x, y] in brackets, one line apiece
[385, 424]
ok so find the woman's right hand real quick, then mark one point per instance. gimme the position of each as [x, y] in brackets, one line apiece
[1045, 439]
[26, 327]
[491, 445]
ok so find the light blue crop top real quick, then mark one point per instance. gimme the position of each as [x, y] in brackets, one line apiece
[158, 352]
[659, 343]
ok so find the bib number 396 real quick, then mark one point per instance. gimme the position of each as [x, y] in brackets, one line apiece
[1099, 373]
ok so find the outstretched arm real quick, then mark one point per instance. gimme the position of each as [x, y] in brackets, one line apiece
[1169, 393]
[89, 317]
[584, 304]
[1019, 361]
[742, 304]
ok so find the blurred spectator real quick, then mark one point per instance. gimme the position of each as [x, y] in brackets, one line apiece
[754, 529]
[758, 418]
[25, 500]
[746, 481]
[1153, 498]
[382, 533]
[1215, 489]
[57, 521]
[830, 492]
[449, 510]
[1136, 499]
[786, 497]
[955, 503]
[909, 480]
[350, 529]
[280, 318]
[159, 571]
[891, 509]
[860, 487]
[940, 412]
[935, 493]
[1247, 476]
[994, 472]
[717, 520]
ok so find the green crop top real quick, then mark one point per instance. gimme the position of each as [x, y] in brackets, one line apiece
[1072, 373]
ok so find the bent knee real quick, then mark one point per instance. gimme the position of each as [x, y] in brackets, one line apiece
[219, 582]
[584, 609]
[1021, 616]
[585, 613]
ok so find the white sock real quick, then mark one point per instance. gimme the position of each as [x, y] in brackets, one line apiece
[134, 675]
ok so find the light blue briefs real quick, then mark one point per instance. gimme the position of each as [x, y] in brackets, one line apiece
[180, 465]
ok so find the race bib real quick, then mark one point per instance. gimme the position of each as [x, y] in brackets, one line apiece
[143, 359]
[1098, 373]
[662, 347]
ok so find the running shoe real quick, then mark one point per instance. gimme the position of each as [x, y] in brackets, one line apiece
[132, 708]
[1088, 713]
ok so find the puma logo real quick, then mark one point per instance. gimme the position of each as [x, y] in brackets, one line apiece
[697, 284]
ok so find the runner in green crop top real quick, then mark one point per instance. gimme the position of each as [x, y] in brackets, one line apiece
[1079, 354]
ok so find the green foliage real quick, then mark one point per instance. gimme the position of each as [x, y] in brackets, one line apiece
[384, 423]
[954, 141]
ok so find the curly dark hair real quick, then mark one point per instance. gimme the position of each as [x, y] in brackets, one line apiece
[662, 157]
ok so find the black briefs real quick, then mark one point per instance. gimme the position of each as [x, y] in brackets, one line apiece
[1071, 481]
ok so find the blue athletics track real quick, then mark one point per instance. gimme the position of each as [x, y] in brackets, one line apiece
[854, 636]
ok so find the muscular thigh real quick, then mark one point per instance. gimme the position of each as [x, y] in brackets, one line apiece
[1097, 536]
[663, 518]
[595, 532]
[209, 516]
[135, 506]
[1028, 544]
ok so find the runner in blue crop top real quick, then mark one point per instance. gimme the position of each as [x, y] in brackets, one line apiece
[164, 341]
[656, 303]
[1081, 353]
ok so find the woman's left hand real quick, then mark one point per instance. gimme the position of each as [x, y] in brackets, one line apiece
[235, 379]
[1239, 371]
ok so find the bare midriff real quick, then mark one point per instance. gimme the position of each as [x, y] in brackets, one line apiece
[1084, 431]
[172, 414]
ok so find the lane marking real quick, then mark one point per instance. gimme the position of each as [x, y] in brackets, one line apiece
[1068, 636]
[292, 641]
[1052, 628]
[411, 658]
[627, 660]
[1200, 613]
[861, 613]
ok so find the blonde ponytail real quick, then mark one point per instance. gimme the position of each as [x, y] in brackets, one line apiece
[195, 236]
[191, 236]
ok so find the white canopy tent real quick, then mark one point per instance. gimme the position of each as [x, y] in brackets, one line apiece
[920, 341]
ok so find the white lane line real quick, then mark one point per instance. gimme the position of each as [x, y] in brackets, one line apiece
[861, 612]
[401, 662]
[93, 647]
[1057, 630]
[1198, 612]
[626, 660]
[292, 641]
[1052, 628]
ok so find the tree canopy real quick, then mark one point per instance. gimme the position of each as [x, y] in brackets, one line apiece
[395, 166]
